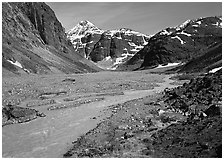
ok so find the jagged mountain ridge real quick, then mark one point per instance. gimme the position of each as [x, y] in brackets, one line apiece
[183, 43]
[80, 30]
[106, 47]
[34, 41]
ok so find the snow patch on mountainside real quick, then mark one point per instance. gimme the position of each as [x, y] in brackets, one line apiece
[184, 33]
[112, 63]
[219, 24]
[137, 48]
[165, 32]
[195, 25]
[127, 31]
[183, 25]
[168, 65]
[16, 63]
[215, 70]
[107, 58]
[121, 59]
[181, 41]
[198, 22]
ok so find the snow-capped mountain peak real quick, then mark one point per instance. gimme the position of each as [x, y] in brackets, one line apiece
[181, 26]
[82, 28]
[97, 45]
[194, 22]
[85, 22]
[170, 30]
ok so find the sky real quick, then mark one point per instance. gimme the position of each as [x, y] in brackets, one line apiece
[145, 17]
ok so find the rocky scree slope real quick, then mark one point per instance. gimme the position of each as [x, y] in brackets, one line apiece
[107, 48]
[186, 42]
[34, 41]
[201, 135]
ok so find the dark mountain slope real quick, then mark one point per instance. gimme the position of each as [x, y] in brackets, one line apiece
[34, 41]
[211, 59]
[190, 40]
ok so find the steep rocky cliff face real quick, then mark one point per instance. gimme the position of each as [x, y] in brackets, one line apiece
[183, 43]
[34, 41]
[106, 48]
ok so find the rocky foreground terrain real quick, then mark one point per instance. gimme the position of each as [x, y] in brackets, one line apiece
[181, 122]
[71, 105]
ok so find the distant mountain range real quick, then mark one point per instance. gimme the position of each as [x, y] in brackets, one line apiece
[107, 48]
[34, 42]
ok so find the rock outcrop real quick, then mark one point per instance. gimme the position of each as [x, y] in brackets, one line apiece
[14, 114]
[201, 135]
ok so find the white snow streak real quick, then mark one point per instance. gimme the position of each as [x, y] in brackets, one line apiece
[183, 25]
[168, 65]
[215, 70]
[217, 24]
[181, 41]
[107, 58]
[165, 32]
[134, 50]
[16, 63]
[195, 25]
[184, 33]
[118, 37]
[119, 60]
[198, 22]
[131, 44]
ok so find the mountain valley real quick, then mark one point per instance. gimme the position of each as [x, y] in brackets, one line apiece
[97, 93]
